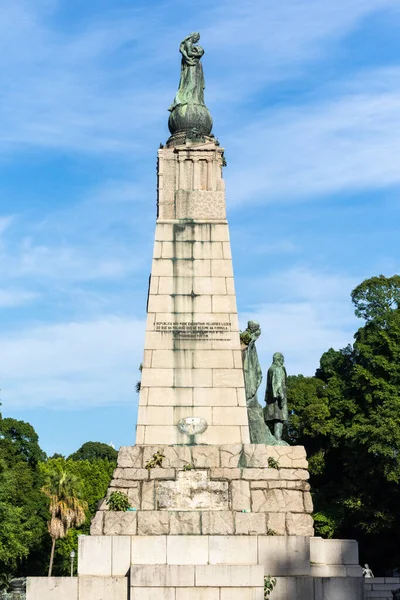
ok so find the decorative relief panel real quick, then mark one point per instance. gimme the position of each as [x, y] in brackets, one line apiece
[199, 204]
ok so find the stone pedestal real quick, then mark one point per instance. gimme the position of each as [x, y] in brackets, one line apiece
[211, 490]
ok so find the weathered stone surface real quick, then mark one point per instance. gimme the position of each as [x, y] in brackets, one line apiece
[96, 526]
[308, 503]
[294, 474]
[158, 473]
[192, 490]
[184, 523]
[276, 522]
[176, 457]
[240, 492]
[120, 523]
[260, 474]
[251, 523]
[296, 452]
[250, 593]
[225, 473]
[95, 555]
[300, 463]
[149, 450]
[276, 484]
[153, 523]
[283, 555]
[256, 455]
[230, 455]
[134, 496]
[131, 474]
[218, 523]
[52, 588]
[122, 484]
[232, 550]
[333, 552]
[299, 524]
[197, 593]
[120, 555]
[161, 576]
[149, 550]
[205, 456]
[187, 550]
[148, 495]
[277, 500]
[298, 485]
[229, 575]
[130, 456]
[96, 588]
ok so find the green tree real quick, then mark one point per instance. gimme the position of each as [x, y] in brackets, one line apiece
[93, 451]
[94, 477]
[348, 417]
[22, 507]
[67, 509]
[15, 535]
[19, 442]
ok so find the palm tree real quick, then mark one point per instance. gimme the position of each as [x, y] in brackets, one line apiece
[66, 509]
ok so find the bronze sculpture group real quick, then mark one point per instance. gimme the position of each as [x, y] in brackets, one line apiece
[266, 425]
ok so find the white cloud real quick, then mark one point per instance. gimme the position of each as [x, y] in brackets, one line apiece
[9, 298]
[72, 364]
[5, 223]
[346, 142]
[104, 85]
[309, 312]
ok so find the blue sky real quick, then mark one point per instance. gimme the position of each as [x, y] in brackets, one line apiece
[305, 97]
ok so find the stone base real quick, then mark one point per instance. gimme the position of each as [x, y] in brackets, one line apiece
[381, 587]
[203, 568]
[210, 490]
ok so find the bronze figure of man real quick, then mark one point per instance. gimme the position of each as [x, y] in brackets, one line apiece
[276, 410]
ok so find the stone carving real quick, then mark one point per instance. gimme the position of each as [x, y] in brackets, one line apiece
[367, 571]
[192, 425]
[188, 111]
[192, 490]
[259, 432]
[276, 411]
[199, 204]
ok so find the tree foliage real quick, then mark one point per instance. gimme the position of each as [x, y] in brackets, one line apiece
[93, 451]
[94, 478]
[66, 507]
[24, 509]
[348, 418]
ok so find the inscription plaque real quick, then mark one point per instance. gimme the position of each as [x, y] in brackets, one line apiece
[195, 330]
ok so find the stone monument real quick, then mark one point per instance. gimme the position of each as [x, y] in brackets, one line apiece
[210, 513]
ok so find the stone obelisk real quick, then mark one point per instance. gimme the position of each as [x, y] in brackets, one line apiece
[192, 365]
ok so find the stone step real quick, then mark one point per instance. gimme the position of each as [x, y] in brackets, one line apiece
[154, 576]
[218, 522]
[103, 556]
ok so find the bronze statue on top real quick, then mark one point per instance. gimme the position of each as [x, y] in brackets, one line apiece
[191, 84]
[189, 114]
